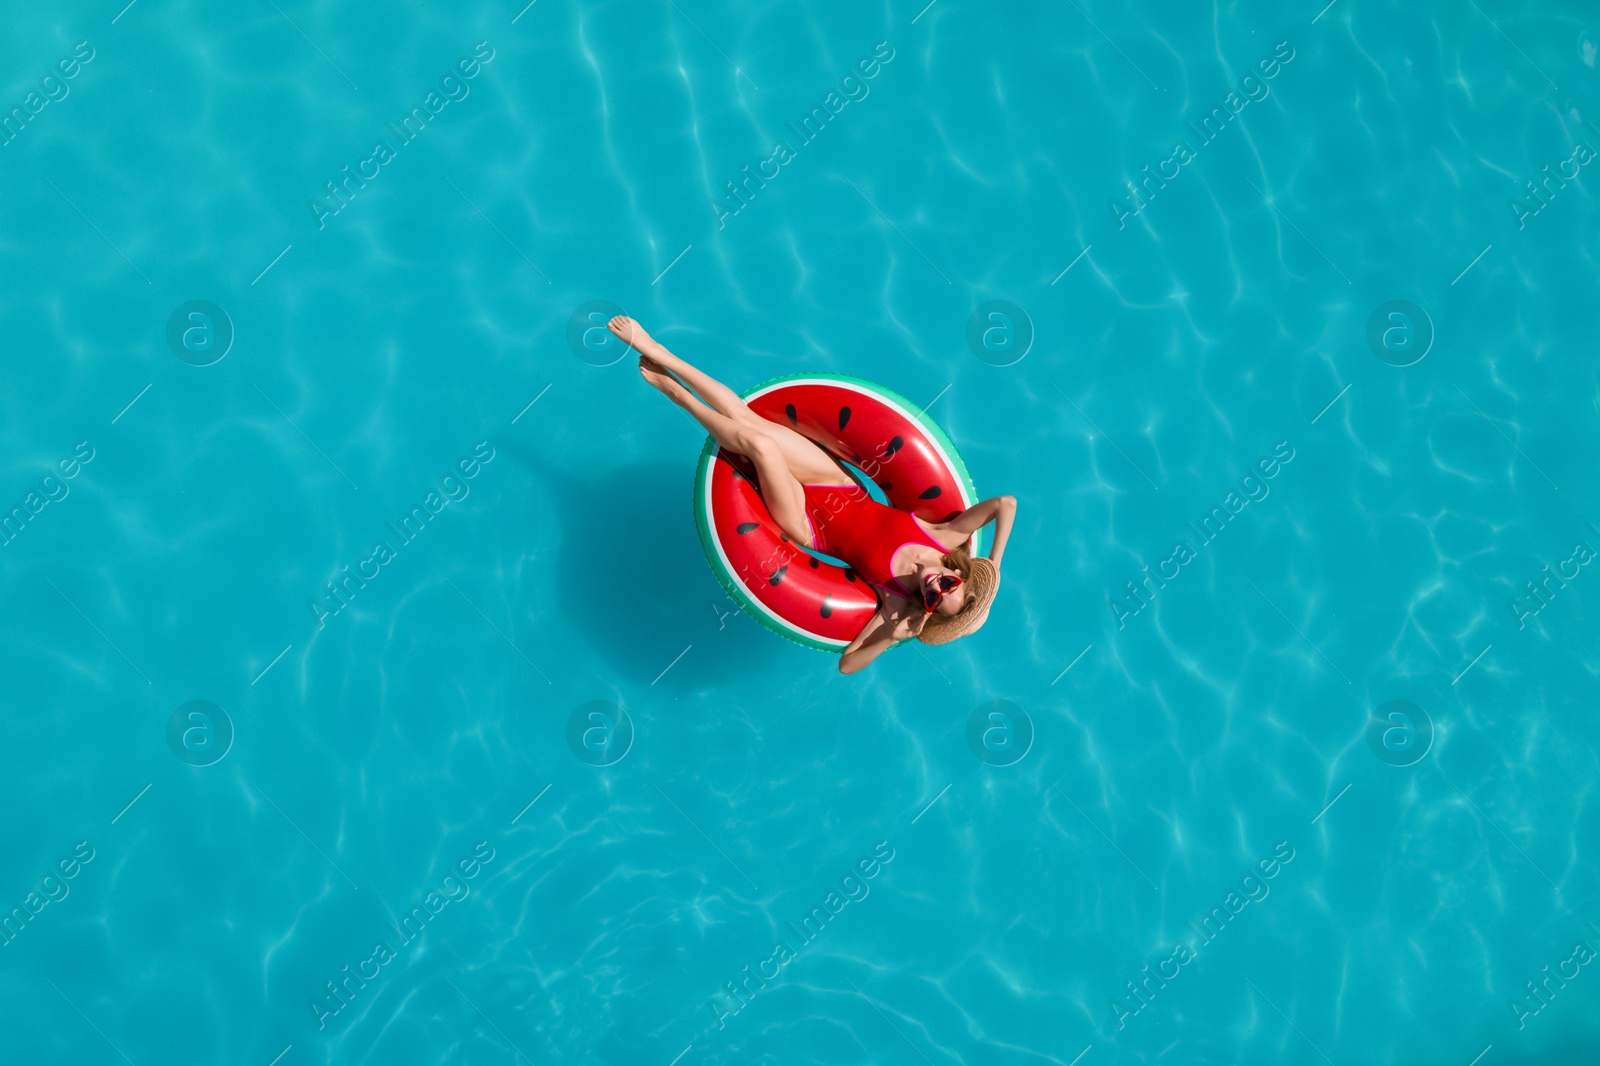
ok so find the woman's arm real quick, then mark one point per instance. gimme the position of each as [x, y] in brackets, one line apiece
[999, 509]
[870, 643]
[876, 637]
[1002, 528]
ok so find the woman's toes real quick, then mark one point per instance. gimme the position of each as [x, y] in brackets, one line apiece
[655, 378]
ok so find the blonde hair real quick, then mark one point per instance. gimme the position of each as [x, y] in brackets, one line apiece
[959, 559]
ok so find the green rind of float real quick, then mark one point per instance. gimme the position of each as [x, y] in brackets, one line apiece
[702, 518]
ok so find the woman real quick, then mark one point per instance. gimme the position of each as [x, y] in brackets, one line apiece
[926, 580]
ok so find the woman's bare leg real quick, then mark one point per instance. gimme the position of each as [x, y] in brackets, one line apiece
[808, 463]
[781, 491]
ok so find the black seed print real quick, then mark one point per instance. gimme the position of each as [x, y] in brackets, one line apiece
[827, 606]
[844, 416]
[788, 409]
[748, 527]
[815, 563]
[849, 574]
[888, 486]
[950, 516]
[777, 575]
[894, 445]
[929, 493]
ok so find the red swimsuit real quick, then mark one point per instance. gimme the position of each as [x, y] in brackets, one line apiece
[850, 525]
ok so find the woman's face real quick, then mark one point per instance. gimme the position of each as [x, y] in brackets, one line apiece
[954, 599]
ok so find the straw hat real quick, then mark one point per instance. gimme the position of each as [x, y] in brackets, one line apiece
[983, 581]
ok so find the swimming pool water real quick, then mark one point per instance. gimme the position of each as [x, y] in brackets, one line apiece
[368, 698]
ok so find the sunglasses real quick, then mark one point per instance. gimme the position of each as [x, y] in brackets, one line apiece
[931, 598]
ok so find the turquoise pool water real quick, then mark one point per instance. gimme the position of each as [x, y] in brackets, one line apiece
[522, 787]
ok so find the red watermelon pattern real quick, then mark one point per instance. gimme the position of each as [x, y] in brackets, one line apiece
[808, 600]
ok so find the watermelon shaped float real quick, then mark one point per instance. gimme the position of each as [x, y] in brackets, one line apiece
[777, 582]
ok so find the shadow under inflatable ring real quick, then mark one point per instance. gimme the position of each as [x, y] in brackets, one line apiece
[776, 582]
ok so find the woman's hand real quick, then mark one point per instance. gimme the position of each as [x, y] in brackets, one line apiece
[874, 637]
[909, 624]
[883, 629]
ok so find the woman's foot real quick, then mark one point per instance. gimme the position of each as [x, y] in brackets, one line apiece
[647, 346]
[631, 333]
[657, 376]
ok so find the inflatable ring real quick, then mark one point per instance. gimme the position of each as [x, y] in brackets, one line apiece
[878, 432]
